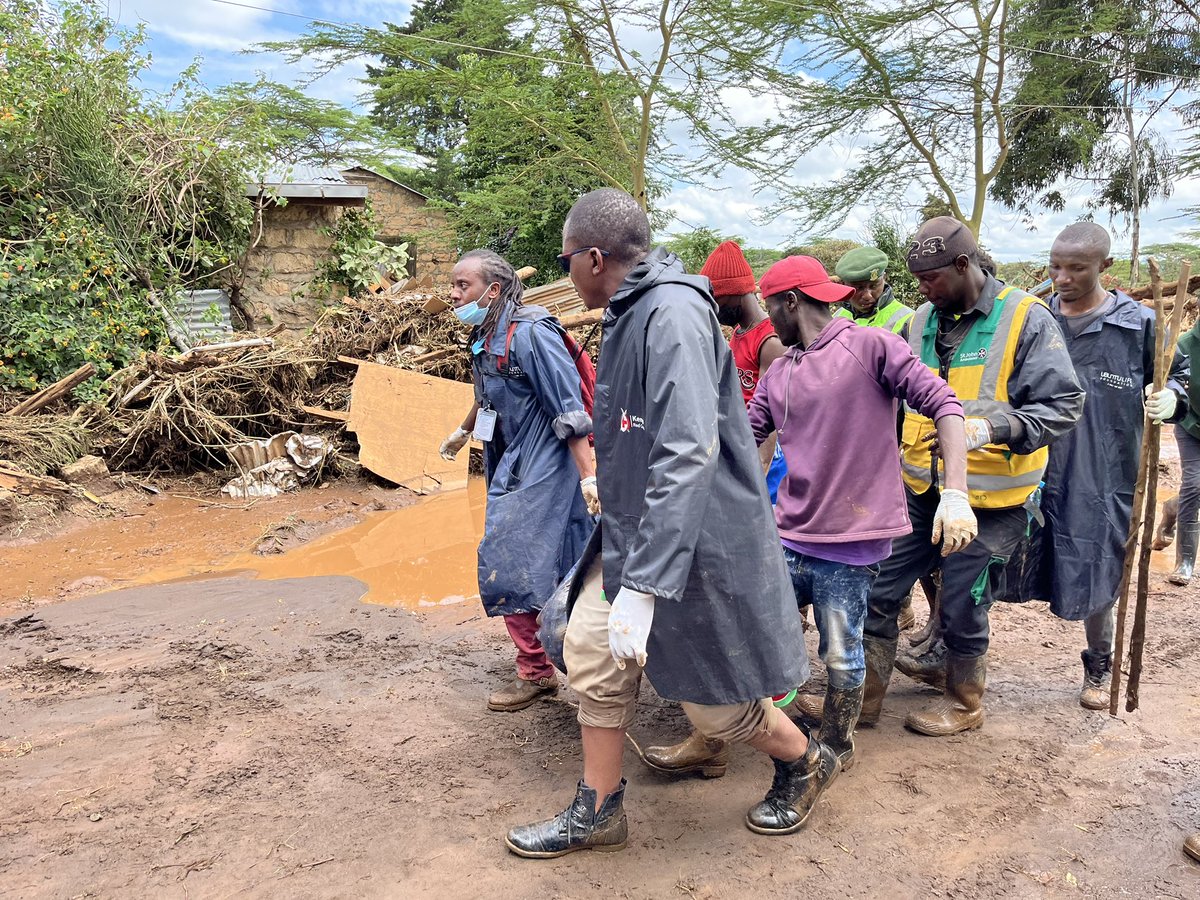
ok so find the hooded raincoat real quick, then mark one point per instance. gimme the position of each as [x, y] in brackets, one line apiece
[1087, 501]
[686, 515]
[537, 523]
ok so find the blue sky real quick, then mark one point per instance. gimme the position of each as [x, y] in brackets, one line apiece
[180, 30]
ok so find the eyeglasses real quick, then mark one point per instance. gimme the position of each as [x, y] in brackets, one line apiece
[564, 259]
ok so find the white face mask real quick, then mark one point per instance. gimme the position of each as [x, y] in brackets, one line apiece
[473, 313]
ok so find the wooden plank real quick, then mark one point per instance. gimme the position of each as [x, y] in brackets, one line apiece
[329, 415]
[351, 361]
[401, 418]
[49, 394]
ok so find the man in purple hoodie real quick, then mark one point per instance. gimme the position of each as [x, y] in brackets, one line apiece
[836, 389]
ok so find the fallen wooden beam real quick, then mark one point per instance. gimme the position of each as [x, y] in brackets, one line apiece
[60, 388]
[329, 415]
[1147, 292]
[591, 317]
[27, 484]
[350, 360]
[230, 345]
[526, 272]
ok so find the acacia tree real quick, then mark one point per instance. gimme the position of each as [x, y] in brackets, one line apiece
[1095, 76]
[923, 86]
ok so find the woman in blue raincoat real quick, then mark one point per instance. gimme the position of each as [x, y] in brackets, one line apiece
[541, 474]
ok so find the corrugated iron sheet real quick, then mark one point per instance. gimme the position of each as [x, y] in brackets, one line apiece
[559, 297]
[196, 313]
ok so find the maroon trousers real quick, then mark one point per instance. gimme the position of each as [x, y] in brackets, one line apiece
[532, 662]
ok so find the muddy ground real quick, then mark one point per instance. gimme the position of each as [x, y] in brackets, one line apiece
[243, 737]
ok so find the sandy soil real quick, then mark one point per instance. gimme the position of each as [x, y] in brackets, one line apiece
[283, 738]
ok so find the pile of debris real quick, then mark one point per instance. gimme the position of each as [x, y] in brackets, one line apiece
[398, 352]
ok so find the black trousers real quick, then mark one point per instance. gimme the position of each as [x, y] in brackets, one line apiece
[971, 578]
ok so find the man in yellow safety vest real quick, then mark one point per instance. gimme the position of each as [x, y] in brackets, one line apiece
[1004, 355]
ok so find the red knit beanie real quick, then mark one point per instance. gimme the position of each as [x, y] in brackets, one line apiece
[727, 269]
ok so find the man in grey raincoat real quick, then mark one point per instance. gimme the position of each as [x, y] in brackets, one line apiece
[690, 585]
[1087, 501]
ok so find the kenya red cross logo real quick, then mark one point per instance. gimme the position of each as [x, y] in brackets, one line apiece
[625, 423]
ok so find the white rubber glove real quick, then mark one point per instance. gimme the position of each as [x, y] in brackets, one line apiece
[1160, 406]
[591, 496]
[979, 432]
[954, 523]
[451, 445]
[629, 623]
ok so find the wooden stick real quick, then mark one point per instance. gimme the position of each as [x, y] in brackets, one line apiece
[137, 391]
[526, 272]
[1166, 339]
[329, 415]
[435, 355]
[49, 394]
[1139, 508]
[230, 345]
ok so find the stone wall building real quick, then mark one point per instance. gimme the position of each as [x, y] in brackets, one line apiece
[277, 289]
[403, 215]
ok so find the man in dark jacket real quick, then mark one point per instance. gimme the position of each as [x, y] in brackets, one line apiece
[1088, 499]
[700, 597]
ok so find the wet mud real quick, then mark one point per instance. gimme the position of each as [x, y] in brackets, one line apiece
[277, 736]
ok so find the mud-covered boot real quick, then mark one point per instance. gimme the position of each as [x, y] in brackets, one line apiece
[1097, 673]
[928, 667]
[1164, 535]
[908, 616]
[578, 827]
[842, 709]
[880, 655]
[1192, 846]
[1185, 553]
[696, 753]
[810, 706]
[961, 708]
[794, 791]
[519, 693]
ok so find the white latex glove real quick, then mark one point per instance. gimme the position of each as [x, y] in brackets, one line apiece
[1160, 406]
[979, 432]
[451, 445]
[591, 496]
[954, 523]
[629, 623]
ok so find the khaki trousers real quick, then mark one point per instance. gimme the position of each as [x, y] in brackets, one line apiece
[608, 695]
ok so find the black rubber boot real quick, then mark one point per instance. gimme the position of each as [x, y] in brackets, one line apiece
[578, 827]
[1185, 553]
[1097, 675]
[795, 790]
[840, 715]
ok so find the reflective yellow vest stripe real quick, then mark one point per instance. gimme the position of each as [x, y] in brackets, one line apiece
[997, 478]
[892, 317]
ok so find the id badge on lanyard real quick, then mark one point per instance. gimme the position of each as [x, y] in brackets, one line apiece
[485, 424]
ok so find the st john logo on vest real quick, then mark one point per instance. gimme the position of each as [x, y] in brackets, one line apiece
[629, 422]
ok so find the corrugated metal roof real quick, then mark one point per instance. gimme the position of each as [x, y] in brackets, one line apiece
[379, 174]
[311, 182]
[559, 297]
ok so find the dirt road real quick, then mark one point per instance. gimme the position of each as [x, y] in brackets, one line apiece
[241, 737]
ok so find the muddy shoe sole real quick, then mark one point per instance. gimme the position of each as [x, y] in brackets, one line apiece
[513, 707]
[704, 771]
[554, 854]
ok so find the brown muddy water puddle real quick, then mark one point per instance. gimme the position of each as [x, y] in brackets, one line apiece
[418, 557]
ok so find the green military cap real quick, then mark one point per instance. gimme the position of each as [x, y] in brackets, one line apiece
[862, 264]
